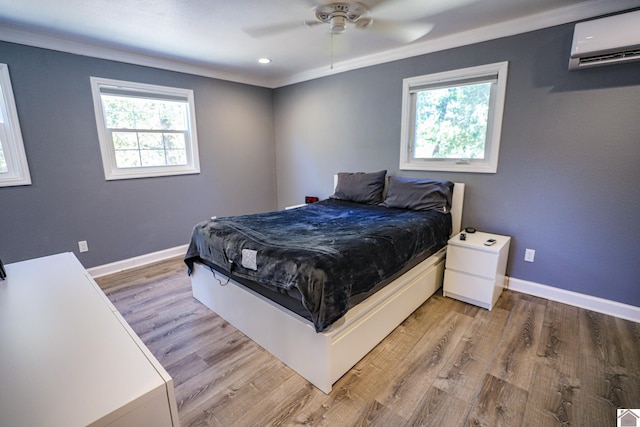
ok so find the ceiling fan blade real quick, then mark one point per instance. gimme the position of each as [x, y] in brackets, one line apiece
[405, 32]
[312, 23]
[315, 3]
[273, 29]
[414, 9]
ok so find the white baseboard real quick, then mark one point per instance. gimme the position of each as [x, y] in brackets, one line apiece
[115, 267]
[600, 305]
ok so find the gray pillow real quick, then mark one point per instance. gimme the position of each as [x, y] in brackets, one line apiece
[360, 187]
[419, 194]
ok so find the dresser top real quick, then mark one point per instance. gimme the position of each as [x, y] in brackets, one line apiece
[66, 356]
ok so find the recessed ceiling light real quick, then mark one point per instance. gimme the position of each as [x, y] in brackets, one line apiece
[264, 60]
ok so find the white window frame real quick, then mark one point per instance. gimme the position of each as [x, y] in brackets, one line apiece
[111, 170]
[11, 136]
[411, 85]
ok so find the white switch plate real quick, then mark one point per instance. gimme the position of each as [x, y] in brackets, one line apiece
[529, 255]
[82, 246]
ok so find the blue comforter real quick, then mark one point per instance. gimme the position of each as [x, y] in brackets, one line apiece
[329, 251]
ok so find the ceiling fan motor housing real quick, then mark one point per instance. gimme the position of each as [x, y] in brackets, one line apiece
[339, 14]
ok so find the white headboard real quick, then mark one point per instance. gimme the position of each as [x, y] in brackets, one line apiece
[457, 201]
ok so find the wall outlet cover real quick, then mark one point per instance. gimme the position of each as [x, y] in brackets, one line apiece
[529, 255]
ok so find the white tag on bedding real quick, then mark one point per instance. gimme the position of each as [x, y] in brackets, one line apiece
[249, 259]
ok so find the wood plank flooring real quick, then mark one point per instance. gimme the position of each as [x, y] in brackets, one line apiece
[528, 362]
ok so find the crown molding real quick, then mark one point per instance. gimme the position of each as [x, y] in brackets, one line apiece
[95, 50]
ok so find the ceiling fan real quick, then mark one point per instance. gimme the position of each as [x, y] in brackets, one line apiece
[395, 19]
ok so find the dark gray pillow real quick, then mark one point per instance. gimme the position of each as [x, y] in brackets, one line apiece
[360, 187]
[419, 194]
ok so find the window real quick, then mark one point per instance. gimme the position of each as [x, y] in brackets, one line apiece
[145, 130]
[14, 169]
[452, 121]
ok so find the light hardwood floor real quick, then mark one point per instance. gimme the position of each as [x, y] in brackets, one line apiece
[528, 362]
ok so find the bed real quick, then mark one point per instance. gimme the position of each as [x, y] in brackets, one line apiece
[320, 343]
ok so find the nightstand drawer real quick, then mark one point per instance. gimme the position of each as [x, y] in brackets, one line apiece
[473, 261]
[473, 287]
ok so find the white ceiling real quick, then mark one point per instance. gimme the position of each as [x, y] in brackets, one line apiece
[209, 37]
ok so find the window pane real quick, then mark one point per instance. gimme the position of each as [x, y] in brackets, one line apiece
[174, 140]
[3, 162]
[176, 157]
[152, 157]
[128, 158]
[123, 112]
[150, 140]
[451, 122]
[125, 140]
[173, 115]
[118, 112]
[143, 149]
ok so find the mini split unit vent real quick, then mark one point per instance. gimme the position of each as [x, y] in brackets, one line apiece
[606, 41]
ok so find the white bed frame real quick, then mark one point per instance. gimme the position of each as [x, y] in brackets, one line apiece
[322, 358]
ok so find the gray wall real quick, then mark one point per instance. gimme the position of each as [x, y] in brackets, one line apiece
[568, 181]
[70, 200]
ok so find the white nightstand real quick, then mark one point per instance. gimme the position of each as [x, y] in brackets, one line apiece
[474, 272]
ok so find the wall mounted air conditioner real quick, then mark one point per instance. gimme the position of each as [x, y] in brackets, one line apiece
[606, 41]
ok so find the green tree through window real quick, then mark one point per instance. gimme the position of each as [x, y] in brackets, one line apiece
[146, 132]
[451, 123]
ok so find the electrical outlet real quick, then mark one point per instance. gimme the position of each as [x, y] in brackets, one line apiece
[529, 255]
[82, 246]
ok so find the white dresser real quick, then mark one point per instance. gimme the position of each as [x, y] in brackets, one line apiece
[474, 272]
[68, 358]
